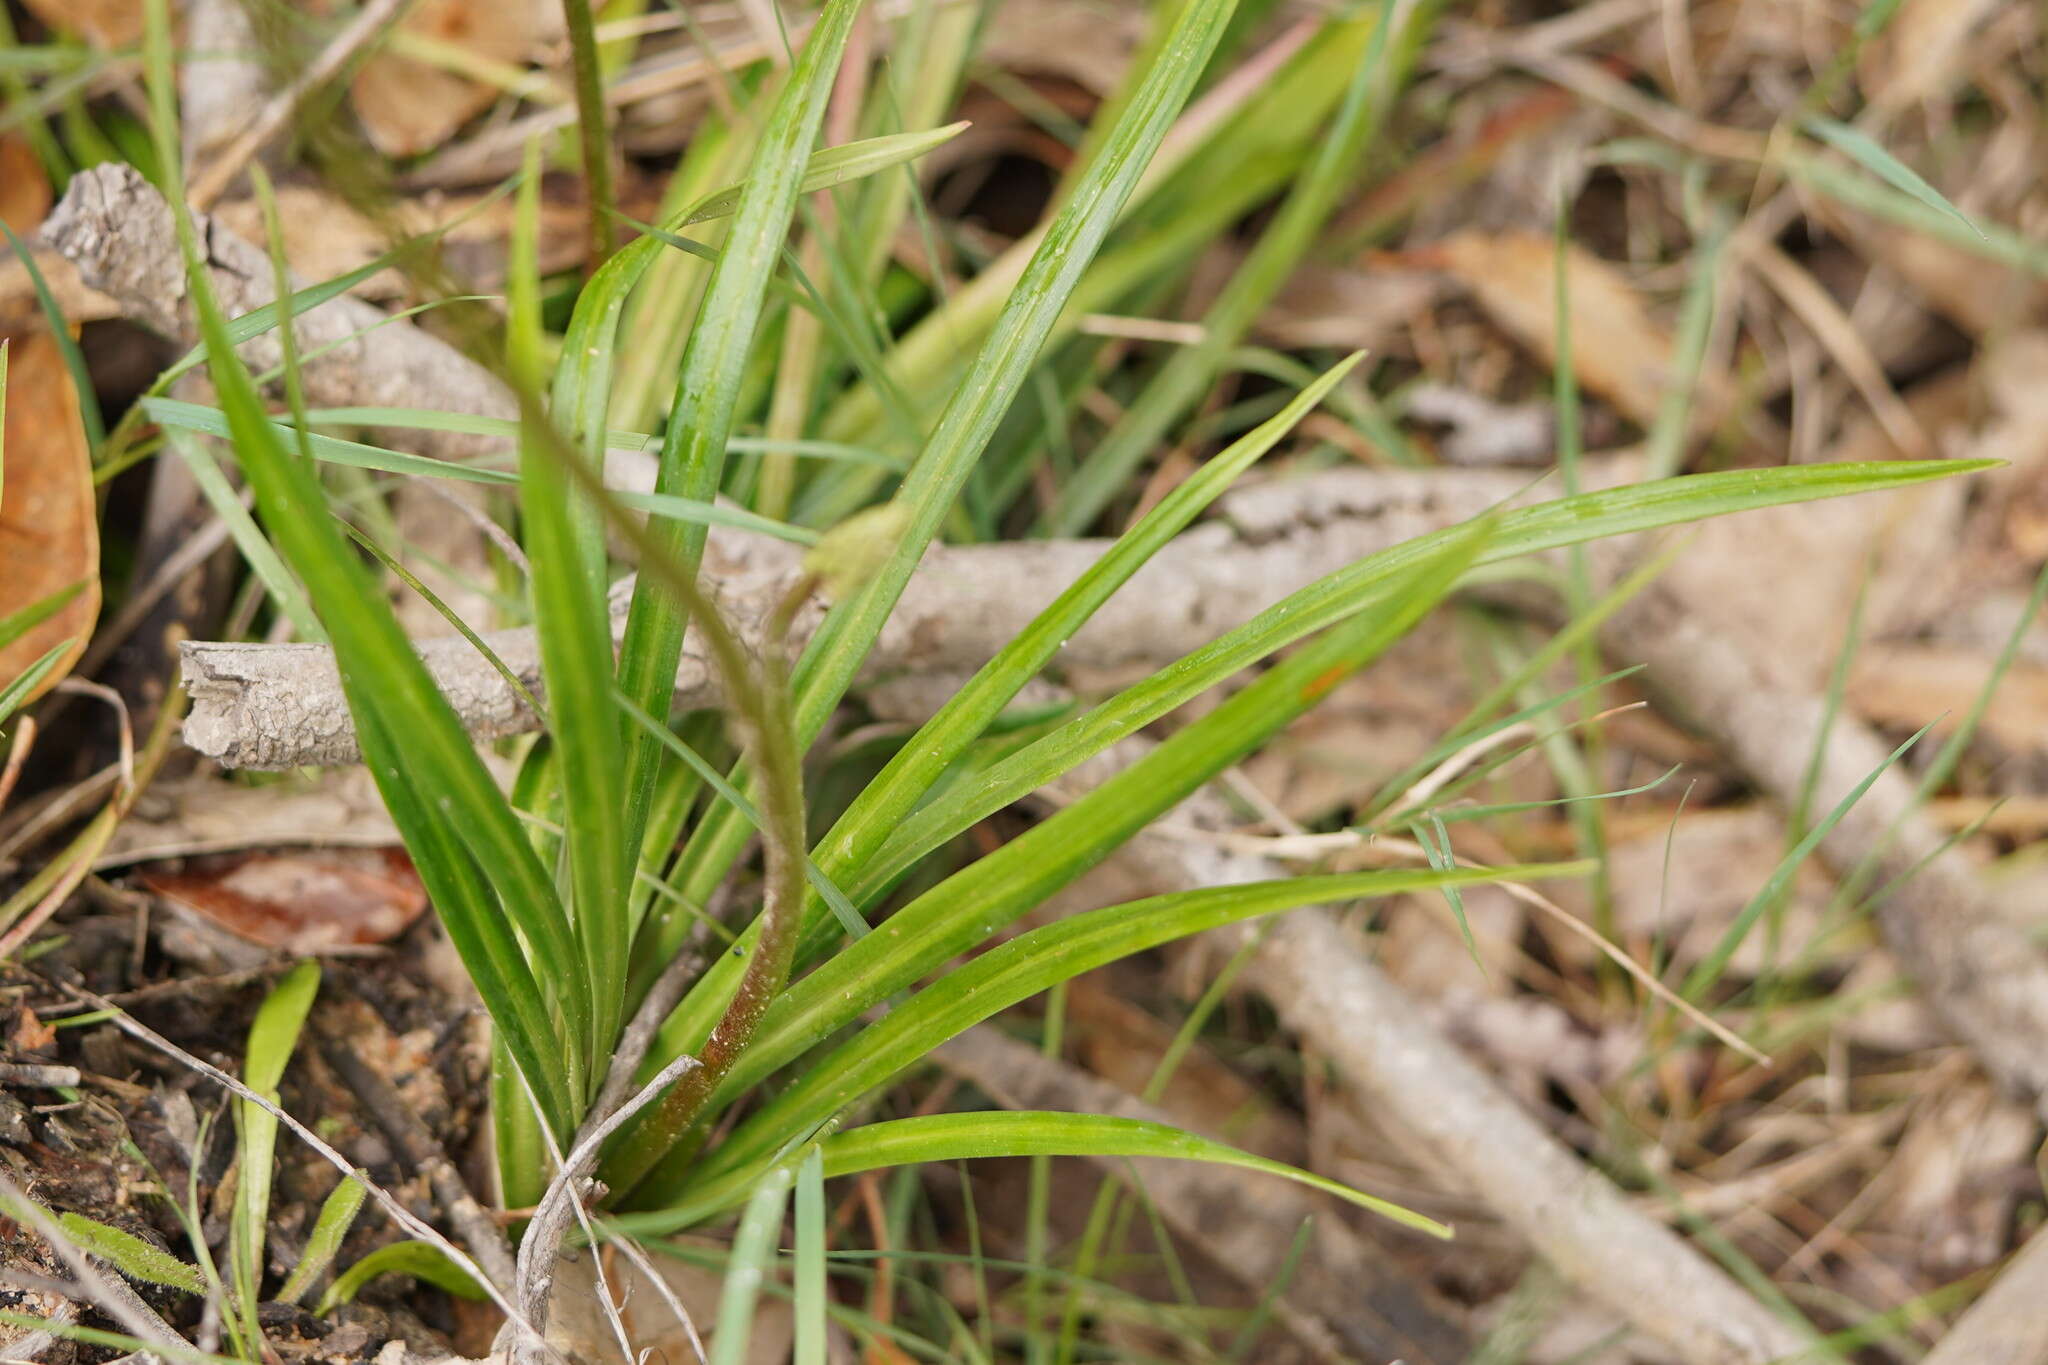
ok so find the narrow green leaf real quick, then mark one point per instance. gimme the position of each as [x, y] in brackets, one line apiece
[707, 390]
[74, 359]
[1993, 241]
[811, 1297]
[1013, 1133]
[275, 1032]
[1034, 962]
[417, 1259]
[1709, 968]
[272, 1037]
[752, 1262]
[1859, 147]
[443, 798]
[16, 624]
[337, 1215]
[563, 532]
[835, 166]
[12, 694]
[884, 802]
[129, 1254]
[255, 547]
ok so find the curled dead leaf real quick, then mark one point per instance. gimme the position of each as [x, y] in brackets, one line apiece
[303, 902]
[1618, 349]
[409, 106]
[49, 524]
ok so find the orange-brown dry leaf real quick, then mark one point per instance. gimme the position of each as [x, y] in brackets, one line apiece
[1909, 685]
[407, 106]
[24, 189]
[49, 527]
[103, 23]
[31, 1034]
[301, 902]
[1618, 350]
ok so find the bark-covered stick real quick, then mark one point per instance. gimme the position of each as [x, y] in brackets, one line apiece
[281, 706]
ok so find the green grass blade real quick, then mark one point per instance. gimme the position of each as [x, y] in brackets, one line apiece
[16, 624]
[360, 455]
[1012, 1133]
[1993, 241]
[1709, 968]
[835, 166]
[67, 346]
[884, 802]
[1034, 962]
[713, 369]
[811, 1296]
[1190, 371]
[970, 906]
[255, 547]
[417, 1259]
[1861, 148]
[272, 1037]
[12, 694]
[753, 1261]
[563, 533]
[437, 788]
[129, 1254]
[337, 1215]
[1547, 526]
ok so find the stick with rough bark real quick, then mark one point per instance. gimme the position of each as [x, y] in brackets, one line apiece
[281, 706]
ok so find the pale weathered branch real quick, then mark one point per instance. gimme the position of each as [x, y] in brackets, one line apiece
[280, 706]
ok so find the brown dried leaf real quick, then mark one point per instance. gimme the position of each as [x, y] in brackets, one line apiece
[103, 23]
[31, 1034]
[1619, 351]
[408, 107]
[303, 902]
[49, 525]
[1909, 685]
[24, 189]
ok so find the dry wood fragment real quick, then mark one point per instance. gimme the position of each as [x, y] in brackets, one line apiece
[115, 227]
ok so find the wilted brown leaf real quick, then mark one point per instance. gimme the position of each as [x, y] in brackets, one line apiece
[301, 902]
[49, 526]
[407, 106]
[1910, 685]
[103, 23]
[1618, 350]
[24, 189]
